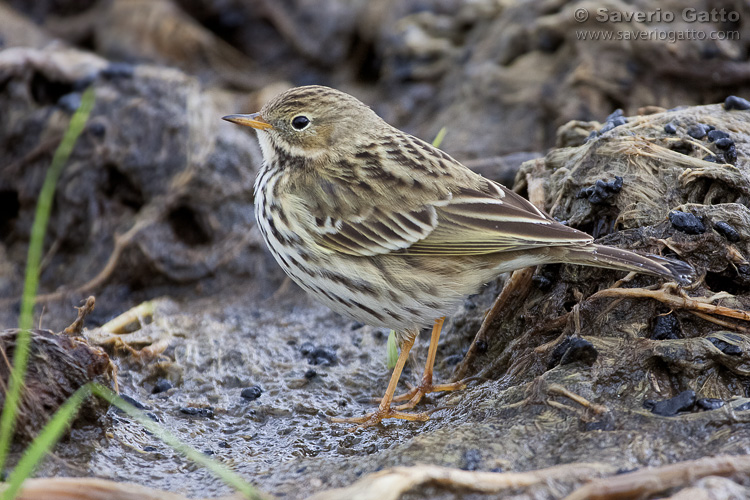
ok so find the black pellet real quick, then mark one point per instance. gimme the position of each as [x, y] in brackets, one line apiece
[727, 231]
[687, 223]
[717, 134]
[724, 143]
[697, 131]
[665, 327]
[570, 350]
[734, 102]
[684, 401]
[251, 393]
[709, 403]
[601, 191]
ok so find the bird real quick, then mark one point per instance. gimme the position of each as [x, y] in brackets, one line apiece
[390, 231]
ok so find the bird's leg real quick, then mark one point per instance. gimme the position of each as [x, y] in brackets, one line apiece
[385, 410]
[425, 386]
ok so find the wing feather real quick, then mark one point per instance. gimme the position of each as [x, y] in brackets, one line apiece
[470, 223]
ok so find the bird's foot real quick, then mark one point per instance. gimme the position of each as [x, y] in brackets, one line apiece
[374, 418]
[415, 395]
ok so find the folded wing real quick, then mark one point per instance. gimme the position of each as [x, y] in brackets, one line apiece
[467, 222]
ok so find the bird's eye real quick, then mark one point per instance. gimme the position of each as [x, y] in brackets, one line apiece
[300, 122]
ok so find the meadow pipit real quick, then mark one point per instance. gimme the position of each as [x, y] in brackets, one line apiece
[390, 231]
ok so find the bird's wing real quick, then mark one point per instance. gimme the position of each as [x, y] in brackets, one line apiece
[464, 222]
[494, 219]
[380, 231]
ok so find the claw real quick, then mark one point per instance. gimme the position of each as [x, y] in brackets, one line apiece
[414, 396]
[374, 418]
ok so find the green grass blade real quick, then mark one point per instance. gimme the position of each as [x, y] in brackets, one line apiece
[65, 415]
[31, 283]
[392, 350]
[439, 137]
[225, 474]
[45, 441]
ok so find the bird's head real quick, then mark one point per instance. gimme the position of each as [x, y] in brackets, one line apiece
[310, 122]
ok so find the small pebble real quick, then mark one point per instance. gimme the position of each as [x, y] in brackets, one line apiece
[310, 374]
[323, 356]
[670, 128]
[726, 347]
[150, 449]
[734, 102]
[251, 393]
[162, 385]
[670, 407]
[697, 131]
[197, 412]
[133, 402]
[711, 158]
[742, 407]
[687, 223]
[717, 134]
[727, 231]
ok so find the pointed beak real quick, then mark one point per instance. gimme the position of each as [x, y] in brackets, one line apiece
[254, 120]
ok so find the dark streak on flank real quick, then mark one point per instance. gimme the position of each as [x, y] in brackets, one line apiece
[369, 311]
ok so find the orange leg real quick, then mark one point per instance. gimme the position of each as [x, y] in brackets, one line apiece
[385, 410]
[417, 393]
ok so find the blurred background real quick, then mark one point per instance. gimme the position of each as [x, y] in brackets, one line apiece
[500, 75]
[157, 201]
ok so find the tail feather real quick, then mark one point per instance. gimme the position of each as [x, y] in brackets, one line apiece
[625, 260]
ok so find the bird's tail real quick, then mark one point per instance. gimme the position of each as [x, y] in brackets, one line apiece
[625, 260]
